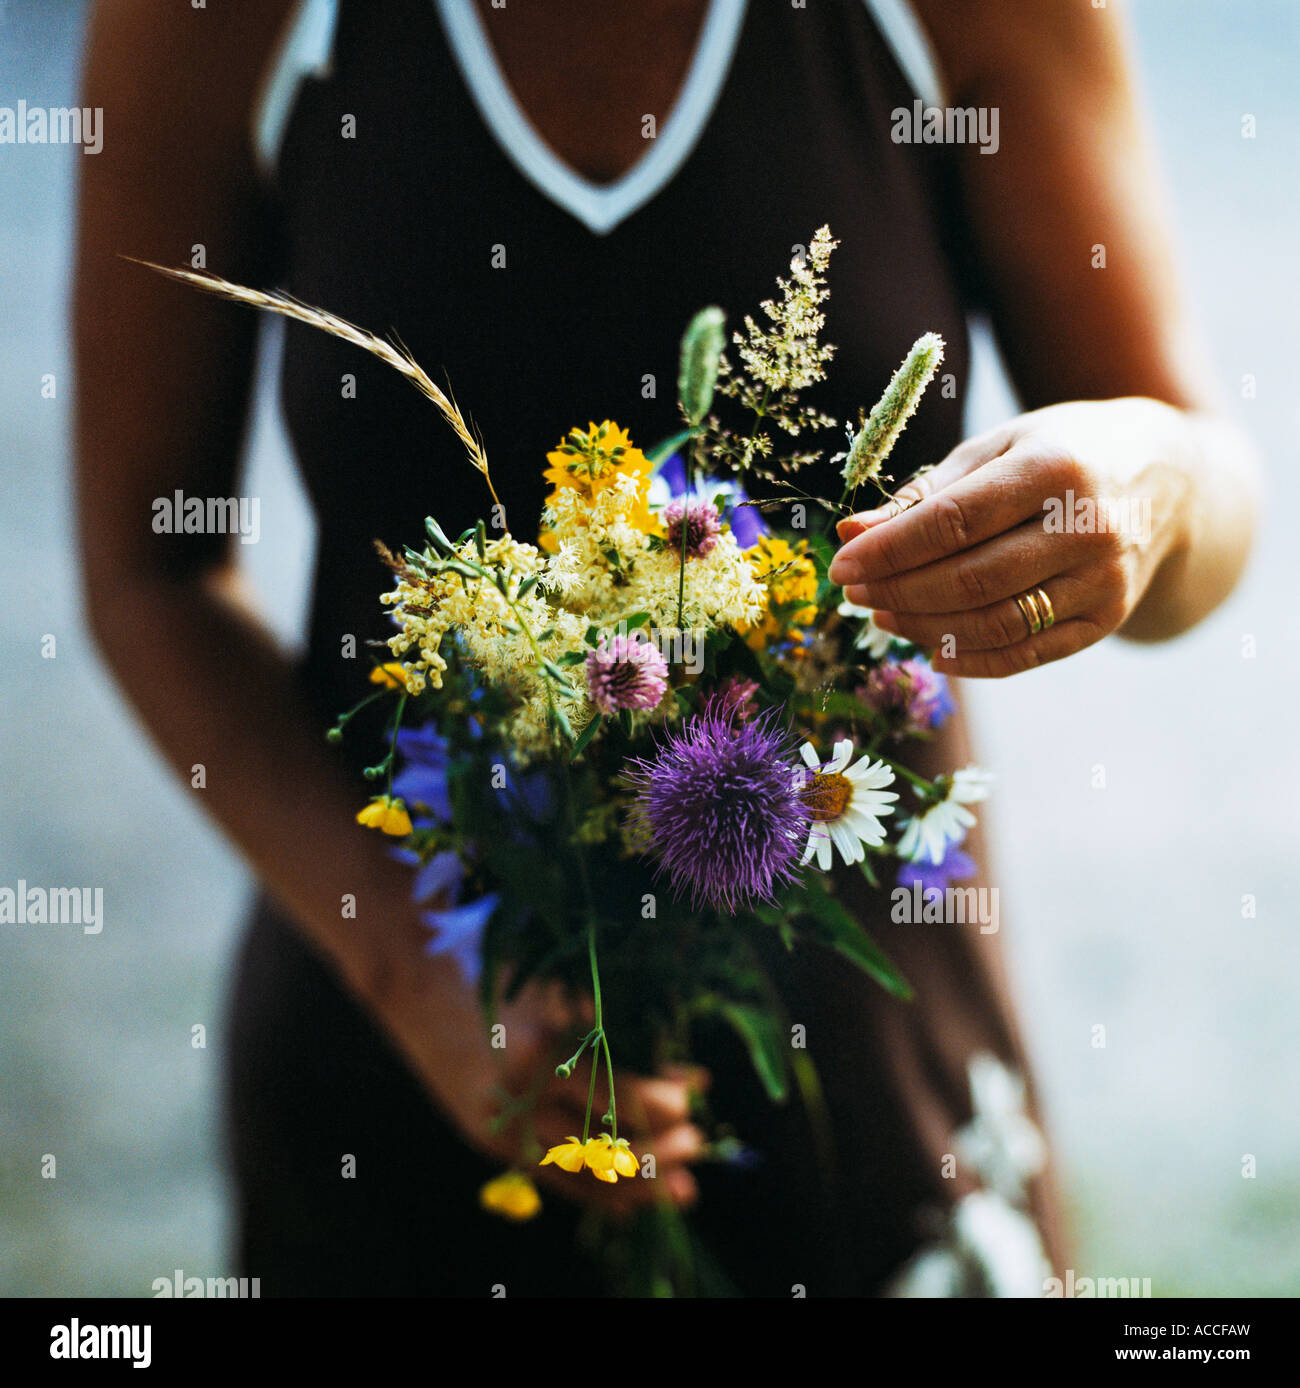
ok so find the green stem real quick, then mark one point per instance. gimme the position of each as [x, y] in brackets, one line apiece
[609, 1073]
[919, 781]
[577, 1055]
[600, 1040]
[345, 718]
[392, 751]
[687, 463]
[537, 650]
[591, 1094]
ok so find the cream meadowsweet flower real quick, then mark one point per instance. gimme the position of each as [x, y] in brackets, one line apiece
[847, 803]
[928, 835]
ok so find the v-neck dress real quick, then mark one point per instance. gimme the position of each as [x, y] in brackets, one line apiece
[409, 196]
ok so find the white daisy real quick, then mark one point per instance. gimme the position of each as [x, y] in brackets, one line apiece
[847, 803]
[928, 835]
[870, 638]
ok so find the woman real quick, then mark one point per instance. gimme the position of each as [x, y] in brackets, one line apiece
[537, 198]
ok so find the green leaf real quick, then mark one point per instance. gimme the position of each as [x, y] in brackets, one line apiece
[848, 937]
[637, 619]
[434, 532]
[822, 550]
[745, 661]
[587, 734]
[835, 703]
[669, 446]
[768, 913]
[764, 1041]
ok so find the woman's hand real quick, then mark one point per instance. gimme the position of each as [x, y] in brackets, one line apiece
[438, 1023]
[1083, 502]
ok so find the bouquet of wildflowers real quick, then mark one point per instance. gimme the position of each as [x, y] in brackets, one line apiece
[622, 750]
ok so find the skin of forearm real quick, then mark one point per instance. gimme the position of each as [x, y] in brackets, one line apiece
[211, 686]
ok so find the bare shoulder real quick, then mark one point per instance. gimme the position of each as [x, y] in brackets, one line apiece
[987, 41]
[159, 66]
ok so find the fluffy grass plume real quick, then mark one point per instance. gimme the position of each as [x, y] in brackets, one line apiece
[888, 419]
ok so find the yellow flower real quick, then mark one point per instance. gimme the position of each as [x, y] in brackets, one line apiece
[511, 1195]
[388, 813]
[591, 461]
[599, 1157]
[391, 676]
[609, 1160]
[568, 1155]
[606, 1159]
[791, 579]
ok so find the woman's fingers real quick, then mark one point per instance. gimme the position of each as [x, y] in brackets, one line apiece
[976, 578]
[664, 1178]
[627, 1194]
[1065, 638]
[649, 1104]
[990, 628]
[965, 458]
[675, 1146]
[973, 494]
[1009, 489]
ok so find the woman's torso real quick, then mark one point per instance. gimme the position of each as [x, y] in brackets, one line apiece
[400, 210]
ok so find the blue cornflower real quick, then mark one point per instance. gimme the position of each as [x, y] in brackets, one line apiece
[458, 932]
[458, 927]
[422, 781]
[954, 866]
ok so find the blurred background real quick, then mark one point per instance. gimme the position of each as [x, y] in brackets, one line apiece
[1122, 908]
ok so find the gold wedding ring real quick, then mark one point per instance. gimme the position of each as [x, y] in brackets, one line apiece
[1029, 611]
[1045, 608]
[1036, 608]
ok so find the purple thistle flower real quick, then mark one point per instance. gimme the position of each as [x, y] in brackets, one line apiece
[700, 521]
[910, 693]
[721, 806]
[624, 672]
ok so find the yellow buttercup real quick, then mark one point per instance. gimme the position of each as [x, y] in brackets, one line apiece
[605, 1157]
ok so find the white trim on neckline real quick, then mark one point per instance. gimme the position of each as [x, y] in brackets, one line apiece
[306, 50]
[913, 52]
[599, 206]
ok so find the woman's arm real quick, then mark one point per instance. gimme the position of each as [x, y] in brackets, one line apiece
[1069, 231]
[163, 384]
